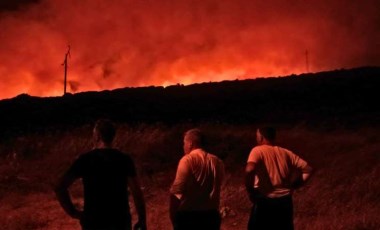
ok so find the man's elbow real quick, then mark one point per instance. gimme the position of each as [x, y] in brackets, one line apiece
[309, 171]
[174, 202]
[307, 174]
[250, 169]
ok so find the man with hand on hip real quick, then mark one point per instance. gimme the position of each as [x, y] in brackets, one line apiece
[106, 175]
[195, 193]
[270, 181]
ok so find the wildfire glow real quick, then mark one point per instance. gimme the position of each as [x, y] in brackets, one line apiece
[119, 43]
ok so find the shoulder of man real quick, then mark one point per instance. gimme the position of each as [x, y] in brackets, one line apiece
[114, 151]
[215, 157]
[124, 155]
[258, 149]
[287, 151]
[95, 153]
[126, 161]
[185, 161]
[185, 158]
[86, 155]
[256, 154]
[117, 151]
[80, 163]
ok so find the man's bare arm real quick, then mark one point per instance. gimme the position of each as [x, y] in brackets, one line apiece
[178, 187]
[139, 201]
[250, 172]
[63, 195]
[173, 207]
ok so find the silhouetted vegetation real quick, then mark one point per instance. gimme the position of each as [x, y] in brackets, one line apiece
[342, 97]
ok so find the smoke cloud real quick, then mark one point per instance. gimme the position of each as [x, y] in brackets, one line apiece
[120, 43]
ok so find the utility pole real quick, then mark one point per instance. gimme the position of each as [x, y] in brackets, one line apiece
[307, 60]
[65, 68]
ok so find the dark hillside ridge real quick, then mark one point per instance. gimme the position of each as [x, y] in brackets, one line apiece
[344, 96]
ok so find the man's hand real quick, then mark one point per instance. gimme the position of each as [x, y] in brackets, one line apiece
[173, 208]
[63, 195]
[138, 198]
[303, 178]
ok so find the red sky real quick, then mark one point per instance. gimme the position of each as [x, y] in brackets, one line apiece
[123, 43]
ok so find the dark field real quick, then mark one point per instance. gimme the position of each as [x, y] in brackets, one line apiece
[343, 194]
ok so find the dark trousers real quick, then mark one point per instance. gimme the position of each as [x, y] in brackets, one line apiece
[106, 223]
[107, 228]
[272, 213]
[197, 220]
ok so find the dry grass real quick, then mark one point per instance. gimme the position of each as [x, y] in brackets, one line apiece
[343, 194]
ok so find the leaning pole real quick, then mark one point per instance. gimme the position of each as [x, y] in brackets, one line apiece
[65, 70]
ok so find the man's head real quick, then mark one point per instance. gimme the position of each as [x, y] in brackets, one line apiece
[104, 131]
[193, 139]
[265, 135]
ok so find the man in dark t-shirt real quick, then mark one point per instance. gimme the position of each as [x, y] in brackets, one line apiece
[106, 174]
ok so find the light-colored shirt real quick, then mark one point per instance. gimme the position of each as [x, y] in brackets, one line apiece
[198, 181]
[276, 169]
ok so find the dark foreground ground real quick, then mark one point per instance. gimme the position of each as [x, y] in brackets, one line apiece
[343, 194]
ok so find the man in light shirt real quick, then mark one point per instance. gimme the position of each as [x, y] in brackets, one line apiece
[272, 174]
[195, 193]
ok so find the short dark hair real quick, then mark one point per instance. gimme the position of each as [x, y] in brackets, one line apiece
[268, 132]
[196, 136]
[106, 130]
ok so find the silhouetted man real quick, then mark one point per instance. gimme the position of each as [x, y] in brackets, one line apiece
[106, 174]
[270, 174]
[195, 193]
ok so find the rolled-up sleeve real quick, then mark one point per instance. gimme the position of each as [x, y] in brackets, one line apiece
[181, 178]
[254, 156]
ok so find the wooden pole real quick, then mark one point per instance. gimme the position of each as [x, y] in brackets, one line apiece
[65, 71]
[307, 60]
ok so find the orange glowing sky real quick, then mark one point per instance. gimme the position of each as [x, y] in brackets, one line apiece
[123, 43]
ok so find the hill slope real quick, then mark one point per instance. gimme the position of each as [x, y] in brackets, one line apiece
[340, 96]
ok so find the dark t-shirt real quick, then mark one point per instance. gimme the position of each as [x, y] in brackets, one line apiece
[104, 174]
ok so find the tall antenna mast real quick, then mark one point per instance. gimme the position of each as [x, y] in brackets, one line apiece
[307, 60]
[65, 73]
